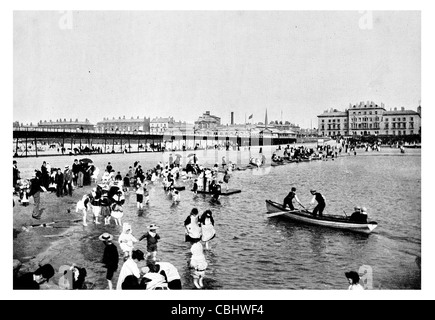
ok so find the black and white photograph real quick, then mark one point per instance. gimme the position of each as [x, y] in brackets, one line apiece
[216, 152]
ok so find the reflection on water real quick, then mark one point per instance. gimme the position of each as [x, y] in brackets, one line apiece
[253, 252]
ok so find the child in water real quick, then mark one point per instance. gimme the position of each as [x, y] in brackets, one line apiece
[198, 264]
[195, 186]
[126, 240]
[152, 239]
[139, 195]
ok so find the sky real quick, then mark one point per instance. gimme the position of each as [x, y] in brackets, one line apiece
[296, 64]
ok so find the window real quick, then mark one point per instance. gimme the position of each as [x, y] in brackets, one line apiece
[365, 112]
[370, 112]
[376, 112]
[403, 119]
[386, 119]
[412, 118]
[394, 119]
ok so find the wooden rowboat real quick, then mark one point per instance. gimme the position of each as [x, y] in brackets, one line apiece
[275, 209]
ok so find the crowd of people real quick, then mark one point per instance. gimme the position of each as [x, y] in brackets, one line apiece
[106, 202]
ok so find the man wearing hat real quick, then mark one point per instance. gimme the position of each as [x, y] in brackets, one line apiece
[359, 215]
[33, 280]
[353, 278]
[110, 257]
[67, 181]
[59, 183]
[320, 199]
[75, 171]
[16, 173]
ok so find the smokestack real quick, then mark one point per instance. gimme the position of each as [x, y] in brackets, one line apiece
[232, 117]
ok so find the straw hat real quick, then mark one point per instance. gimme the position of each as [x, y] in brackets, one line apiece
[105, 237]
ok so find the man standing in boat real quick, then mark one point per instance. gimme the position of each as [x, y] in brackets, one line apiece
[317, 196]
[288, 200]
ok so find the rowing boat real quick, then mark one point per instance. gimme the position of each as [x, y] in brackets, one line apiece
[275, 209]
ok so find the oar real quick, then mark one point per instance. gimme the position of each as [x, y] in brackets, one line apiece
[274, 214]
[345, 214]
[305, 208]
[270, 215]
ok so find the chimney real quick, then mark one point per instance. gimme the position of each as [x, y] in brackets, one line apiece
[395, 109]
[403, 108]
[232, 117]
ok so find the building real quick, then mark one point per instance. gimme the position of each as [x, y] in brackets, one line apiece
[207, 121]
[124, 125]
[365, 119]
[333, 123]
[160, 125]
[64, 124]
[369, 119]
[402, 122]
[180, 128]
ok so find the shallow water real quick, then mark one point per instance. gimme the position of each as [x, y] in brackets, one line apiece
[253, 252]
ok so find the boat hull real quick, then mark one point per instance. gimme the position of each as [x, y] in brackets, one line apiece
[331, 221]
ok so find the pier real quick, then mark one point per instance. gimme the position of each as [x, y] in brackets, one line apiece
[36, 142]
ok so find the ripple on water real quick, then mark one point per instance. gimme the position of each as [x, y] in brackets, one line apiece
[253, 252]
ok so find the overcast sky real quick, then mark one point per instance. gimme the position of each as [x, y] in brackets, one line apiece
[96, 64]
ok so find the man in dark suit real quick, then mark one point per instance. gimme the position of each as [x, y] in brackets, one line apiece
[35, 192]
[59, 183]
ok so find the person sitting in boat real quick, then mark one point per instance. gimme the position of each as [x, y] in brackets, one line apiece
[276, 158]
[288, 200]
[321, 204]
[360, 215]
